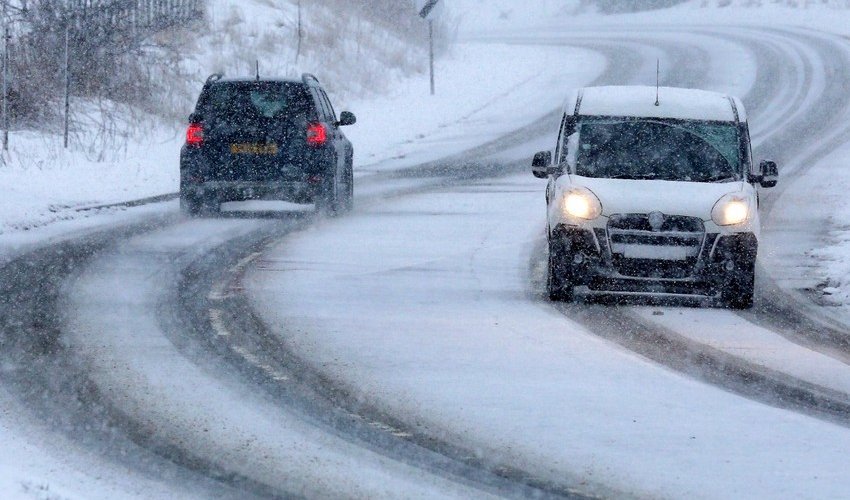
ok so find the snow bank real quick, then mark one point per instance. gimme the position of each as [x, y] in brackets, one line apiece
[110, 159]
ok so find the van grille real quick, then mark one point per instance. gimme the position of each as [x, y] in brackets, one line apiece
[655, 245]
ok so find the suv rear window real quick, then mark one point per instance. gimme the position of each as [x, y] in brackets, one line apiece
[238, 103]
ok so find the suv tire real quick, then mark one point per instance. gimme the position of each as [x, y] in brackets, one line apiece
[327, 201]
[199, 206]
[559, 284]
[348, 203]
[190, 205]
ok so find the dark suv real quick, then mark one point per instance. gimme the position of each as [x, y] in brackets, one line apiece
[253, 139]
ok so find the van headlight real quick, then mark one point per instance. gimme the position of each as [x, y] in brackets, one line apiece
[581, 203]
[731, 210]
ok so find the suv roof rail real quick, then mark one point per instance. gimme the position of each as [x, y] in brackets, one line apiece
[214, 78]
[308, 78]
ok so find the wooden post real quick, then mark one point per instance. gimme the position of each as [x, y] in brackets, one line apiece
[67, 81]
[300, 35]
[424, 14]
[431, 51]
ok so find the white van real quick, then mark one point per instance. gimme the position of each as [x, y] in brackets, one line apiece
[653, 191]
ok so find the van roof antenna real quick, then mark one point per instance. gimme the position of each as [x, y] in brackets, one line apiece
[258, 70]
[658, 82]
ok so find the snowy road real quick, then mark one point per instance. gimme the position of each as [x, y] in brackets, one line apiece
[451, 337]
[363, 362]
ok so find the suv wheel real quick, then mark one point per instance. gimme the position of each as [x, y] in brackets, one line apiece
[327, 201]
[190, 205]
[197, 206]
[349, 189]
[559, 283]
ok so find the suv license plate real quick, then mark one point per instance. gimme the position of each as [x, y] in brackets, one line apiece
[253, 149]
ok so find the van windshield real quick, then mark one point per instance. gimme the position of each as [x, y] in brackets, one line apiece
[691, 151]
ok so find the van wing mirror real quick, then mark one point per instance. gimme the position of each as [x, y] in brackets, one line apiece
[541, 165]
[195, 118]
[768, 174]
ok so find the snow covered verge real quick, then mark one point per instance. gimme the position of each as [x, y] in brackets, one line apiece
[108, 161]
[823, 246]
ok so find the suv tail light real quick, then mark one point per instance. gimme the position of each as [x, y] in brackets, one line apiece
[195, 135]
[317, 134]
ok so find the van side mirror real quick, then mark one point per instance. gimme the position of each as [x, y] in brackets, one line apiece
[768, 174]
[541, 164]
[195, 118]
[346, 118]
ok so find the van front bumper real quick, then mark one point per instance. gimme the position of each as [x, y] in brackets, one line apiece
[592, 261]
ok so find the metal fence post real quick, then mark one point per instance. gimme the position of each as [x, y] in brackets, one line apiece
[67, 82]
[424, 13]
[5, 79]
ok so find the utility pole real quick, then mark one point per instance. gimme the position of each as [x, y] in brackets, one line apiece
[424, 13]
[431, 52]
[300, 35]
[67, 80]
[5, 106]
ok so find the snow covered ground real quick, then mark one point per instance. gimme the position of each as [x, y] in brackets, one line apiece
[817, 239]
[43, 463]
[185, 398]
[667, 423]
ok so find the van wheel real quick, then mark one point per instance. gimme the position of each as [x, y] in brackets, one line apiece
[559, 283]
[739, 293]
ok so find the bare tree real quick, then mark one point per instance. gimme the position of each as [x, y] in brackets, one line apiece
[102, 35]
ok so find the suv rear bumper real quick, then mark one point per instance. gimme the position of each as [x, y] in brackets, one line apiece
[204, 178]
[590, 263]
[224, 191]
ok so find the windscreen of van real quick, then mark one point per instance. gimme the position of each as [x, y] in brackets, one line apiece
[692, 151]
